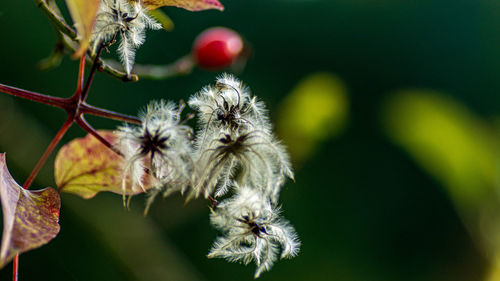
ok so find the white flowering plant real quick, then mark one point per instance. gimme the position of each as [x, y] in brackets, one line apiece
[232, 159]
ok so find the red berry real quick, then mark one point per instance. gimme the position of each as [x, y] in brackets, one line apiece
[217, 47]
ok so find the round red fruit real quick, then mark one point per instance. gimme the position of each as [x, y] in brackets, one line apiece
[217, 47]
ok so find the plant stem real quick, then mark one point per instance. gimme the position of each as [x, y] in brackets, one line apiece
[182, 66]
[55, 19]
[92, 73]
[84, 125]
[81, 73]
[34, 172]
[63, 103]
[48, 151]
[105, 67]
[89, 109]
[53, 101]
[64, 28]
[15, 268]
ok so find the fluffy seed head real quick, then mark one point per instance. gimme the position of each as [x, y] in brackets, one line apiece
[160, 148]
[229, 105]
[253, 231]
[129, 20]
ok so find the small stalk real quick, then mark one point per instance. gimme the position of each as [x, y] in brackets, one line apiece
[84, 125]
[49, 100]
[81, 73]
[34, 173]
[95, 66]
[89, 109]
[48, 151]
[56, 19]
[15, 267]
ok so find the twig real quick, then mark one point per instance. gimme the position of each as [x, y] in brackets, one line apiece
[89, 109]
[182, 66]
[84, 125]
[48, 151]
[49, 100]
[64, 28]
[58, 22]
[91, 74]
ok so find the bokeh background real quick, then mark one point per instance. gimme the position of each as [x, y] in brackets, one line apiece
[390, 110]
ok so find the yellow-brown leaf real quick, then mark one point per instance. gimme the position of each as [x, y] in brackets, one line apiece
[191, 5]
[83, 13]
[85, 167]
[30, 218]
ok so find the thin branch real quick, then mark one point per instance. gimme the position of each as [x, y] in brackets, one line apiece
[64, 28]
[84, 125]
[89, 109]
[56, 19]
[55, 58]
[81, 73]
[103, 67]
[48, 151]
[53, 101]
[92, 73]
[182, 66]
[15, 268]
[107, 68]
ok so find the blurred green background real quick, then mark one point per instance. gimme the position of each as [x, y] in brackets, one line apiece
[389, 108]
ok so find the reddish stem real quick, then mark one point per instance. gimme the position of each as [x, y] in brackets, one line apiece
[15, 267]
[93, 70]
[47, 152]
[64, 104]
[84, 125]
[89, 109]
[81, 72]
[53, 101]
[34, 172]
[71, 108]
[75, 107]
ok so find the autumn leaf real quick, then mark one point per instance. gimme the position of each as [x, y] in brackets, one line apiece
[191, 5]
[85, 167]
[83, 13]
[30, 218]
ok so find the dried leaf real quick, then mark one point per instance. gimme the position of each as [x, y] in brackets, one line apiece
[30, 218]
[85, 167]
[191, 5]
[83, 13]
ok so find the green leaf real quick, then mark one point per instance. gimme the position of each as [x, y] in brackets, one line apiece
[83, 13]
[30, 218]
[191, 5]
[85, 167]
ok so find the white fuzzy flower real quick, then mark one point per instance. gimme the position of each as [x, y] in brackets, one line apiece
[130, 20]
[251, 158]
[236, 142]
[159, 148]
[253, 231]
[229, 105]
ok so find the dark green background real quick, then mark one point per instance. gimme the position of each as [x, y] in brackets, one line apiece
[362, 208]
